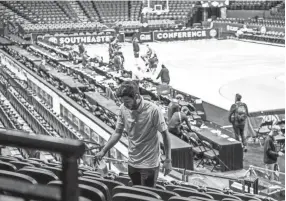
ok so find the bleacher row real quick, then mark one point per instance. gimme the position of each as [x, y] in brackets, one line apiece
[63, 16]
[49, 12]
[252, 5]
[258, 22]
[94, 185]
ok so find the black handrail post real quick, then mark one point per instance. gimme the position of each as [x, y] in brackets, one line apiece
[70, 150]
[70, 179]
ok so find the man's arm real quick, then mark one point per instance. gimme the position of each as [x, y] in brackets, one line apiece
[160, 124]
[112, 141]
[167, 143]
[116, 136]
[188, 123]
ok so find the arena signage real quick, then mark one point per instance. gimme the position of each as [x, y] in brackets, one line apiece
[146, 37]
[76, 39]
[185, 35]
[228, 27]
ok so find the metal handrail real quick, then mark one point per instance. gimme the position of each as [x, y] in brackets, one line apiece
[71, 150]
[259, 168]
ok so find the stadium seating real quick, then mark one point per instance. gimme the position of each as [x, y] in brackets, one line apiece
[40, 12]
[11, 15]
[252, 5]
[92, 187]
[89, 9]
[135, 10]
[112, 11]
[38, 116]
[178, 10]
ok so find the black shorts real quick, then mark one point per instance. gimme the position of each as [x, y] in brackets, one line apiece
[143, 176]
[136, 54]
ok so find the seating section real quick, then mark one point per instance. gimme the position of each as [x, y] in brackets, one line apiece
[274, 32]
[254, 22]
[89, 9]
[111, 11]
[252, 5]
[278, 12]
[90, 27]
[105, 188]
[135, 10]
[68, 10]
[41, 12]
[11, 15]
[178, 10]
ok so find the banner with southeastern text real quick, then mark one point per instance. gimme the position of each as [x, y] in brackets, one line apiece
[77, 39]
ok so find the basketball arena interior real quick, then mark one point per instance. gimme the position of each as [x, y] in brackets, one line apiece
[62, 62]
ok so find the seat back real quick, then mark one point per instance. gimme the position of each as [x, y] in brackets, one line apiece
[20, 165]
[17, 176]
[176, 198]
[7, 166]
[122, 179]
[7, 158]
[172, 187]
[160, 187]
[246, 197]
[41, 176]
[56, 171]
[188, 192]
[202, 195]
[35, 163]
[228, 199]
[132, 197]
[98, 185]
[95, 174]
[136, 191]
[164, 194]
[91, 193]
[218, 196]
[91, 173]
[200, 198]
[109, 183]
[85, 191]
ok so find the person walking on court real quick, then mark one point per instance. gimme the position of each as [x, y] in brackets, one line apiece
[270, 153]
[164, 74]
[136, 48]
[142, 120]
[237, 116]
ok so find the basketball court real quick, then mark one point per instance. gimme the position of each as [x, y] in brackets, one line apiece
[216, 70]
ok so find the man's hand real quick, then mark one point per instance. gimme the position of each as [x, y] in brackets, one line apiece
[98, 156]
[280, 153]
[167, 167]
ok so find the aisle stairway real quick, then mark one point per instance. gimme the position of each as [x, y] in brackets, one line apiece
[79, 11]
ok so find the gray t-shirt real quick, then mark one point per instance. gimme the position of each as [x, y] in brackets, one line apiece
[142, 126]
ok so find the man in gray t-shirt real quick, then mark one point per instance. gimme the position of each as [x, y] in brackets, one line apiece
[142, 120]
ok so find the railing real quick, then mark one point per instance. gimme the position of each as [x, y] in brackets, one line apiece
[70, 150]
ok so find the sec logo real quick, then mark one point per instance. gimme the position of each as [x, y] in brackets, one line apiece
[213, 33]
